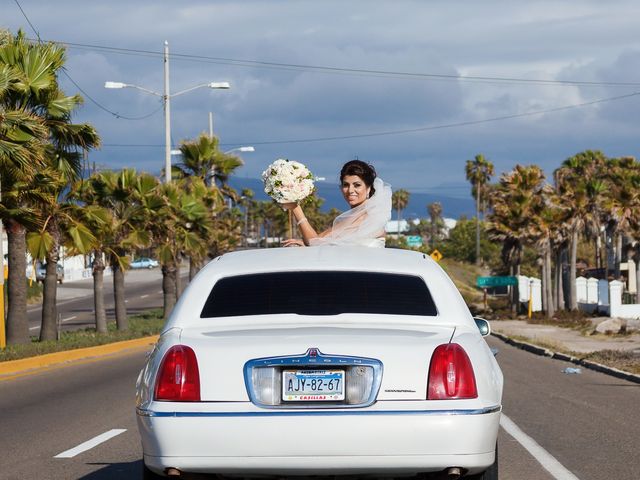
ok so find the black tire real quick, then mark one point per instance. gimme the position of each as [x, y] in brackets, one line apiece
[490, 473]
[149, 474]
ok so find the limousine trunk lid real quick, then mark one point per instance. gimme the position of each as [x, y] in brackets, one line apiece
[403, 350]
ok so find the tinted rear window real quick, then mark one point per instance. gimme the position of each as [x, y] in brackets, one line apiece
[319, 293]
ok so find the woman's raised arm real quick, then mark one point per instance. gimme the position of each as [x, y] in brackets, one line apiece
[307, 231]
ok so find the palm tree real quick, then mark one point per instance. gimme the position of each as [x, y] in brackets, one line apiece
[203, 228]
[61, 222]
[436, 222]
[134, 205]
[22, 134]
[518, 197]
[548, 234]
[400, 198]
[30, 87]
[580, 182]
[479, 172]
[202, 158]
[273, 218]
[621, 201]
[131, 199]
[63, 166]
[99, 220]
[173, 234]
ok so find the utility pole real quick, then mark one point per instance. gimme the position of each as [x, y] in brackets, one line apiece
[167, 116]
[478, 259]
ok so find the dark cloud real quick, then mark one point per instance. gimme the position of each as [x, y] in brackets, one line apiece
[586, 40]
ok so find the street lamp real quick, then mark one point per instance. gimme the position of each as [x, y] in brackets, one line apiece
[166, 97]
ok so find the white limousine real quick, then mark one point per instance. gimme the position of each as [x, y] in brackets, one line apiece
[321, 361]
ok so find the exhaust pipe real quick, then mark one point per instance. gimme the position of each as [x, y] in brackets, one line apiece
[453, 473]
[173, 472]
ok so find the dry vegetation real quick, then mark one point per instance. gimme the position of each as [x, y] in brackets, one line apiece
[464, 276]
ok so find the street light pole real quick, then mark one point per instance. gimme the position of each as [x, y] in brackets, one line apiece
[167, 116]
[166, 101]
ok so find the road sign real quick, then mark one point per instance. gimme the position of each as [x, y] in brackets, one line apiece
[436, 255]
[414, 241]
[485, 282]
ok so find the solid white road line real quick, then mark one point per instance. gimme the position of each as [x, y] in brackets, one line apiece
[144, 296]
[550, 464]
[89, 444]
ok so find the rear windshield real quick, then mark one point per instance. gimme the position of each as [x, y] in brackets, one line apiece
[319, 293]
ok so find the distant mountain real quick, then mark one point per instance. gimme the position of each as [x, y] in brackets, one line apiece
[453, 206]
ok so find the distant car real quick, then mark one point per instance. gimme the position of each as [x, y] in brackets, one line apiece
[321, 361]
[41, 272]
[144, 262]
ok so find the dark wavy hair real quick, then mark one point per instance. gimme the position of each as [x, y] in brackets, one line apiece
[362, 169]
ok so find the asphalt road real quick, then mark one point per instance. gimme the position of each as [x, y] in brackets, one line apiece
[587, 423]
[75, 299]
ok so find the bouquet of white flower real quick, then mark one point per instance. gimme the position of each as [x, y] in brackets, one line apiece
[287, 181]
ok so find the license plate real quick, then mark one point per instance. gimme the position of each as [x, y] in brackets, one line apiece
[312, 385]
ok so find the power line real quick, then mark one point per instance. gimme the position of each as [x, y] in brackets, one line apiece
[102, 107]
[343, 70]
[28, 21]
[93, 100]
[414, 130]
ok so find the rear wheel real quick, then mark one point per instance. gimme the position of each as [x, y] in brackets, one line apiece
[490, 473]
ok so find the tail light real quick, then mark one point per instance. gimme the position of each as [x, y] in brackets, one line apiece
[178, 378]
[451, 374]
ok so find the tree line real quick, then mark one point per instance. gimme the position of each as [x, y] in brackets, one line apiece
[591, 201]
[49, 200]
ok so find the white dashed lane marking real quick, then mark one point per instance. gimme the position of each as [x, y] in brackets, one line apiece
[144, 296]
[89, 444]
[37, 327]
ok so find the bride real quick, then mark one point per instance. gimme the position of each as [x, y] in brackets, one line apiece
[369, 199]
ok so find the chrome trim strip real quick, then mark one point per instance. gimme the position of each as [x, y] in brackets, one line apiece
[297, 413]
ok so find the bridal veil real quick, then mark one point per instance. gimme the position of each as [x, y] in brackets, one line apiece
[364, 224]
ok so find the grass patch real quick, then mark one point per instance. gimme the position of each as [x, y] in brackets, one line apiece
[548, 344]
[575, 320]
[141, 325]
[464, 277]
[628, 361]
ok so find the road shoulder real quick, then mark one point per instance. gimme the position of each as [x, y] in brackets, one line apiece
[17, 368]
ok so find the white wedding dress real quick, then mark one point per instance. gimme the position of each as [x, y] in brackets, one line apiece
[362, 225]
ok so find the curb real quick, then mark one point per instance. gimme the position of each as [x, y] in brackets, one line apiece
[530, 347]
[23, 366]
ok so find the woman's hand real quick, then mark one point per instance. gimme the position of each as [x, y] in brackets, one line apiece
[293, 242]
[289, 206]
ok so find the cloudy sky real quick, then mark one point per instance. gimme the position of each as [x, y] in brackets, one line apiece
[414, 87]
